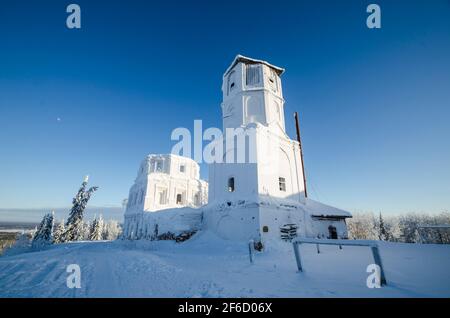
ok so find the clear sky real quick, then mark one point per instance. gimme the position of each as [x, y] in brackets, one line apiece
[374, 104]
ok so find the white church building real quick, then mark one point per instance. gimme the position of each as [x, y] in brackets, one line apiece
[163, 182]
[257, 191]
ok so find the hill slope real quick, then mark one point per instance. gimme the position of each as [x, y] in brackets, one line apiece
[206, 266]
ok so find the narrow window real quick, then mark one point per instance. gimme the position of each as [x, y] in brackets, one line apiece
[197, 199]
[230, 83]
[282, 184]
[179, 198]
[231, 184]
[158, 166]
[252, 74]
[182, 168]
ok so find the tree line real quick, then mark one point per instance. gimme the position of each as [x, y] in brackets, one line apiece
[406, 228]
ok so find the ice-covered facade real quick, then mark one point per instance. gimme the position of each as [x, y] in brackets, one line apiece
[256, 191]
[163, 182]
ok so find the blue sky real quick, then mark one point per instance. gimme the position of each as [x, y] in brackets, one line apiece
[374, 104]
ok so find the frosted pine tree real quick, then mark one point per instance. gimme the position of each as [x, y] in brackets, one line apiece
[92, 230]
[100, 227]
[86, 231]
[96, 233]
[44, 233]
[74, 225]
[58, 232]
[382, 232]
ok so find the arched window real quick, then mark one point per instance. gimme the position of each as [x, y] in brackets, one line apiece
[197, 199]
[231, 184]
[179, 198]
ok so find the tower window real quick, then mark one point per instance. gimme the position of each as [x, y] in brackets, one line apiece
[231, 184]
[252, 74]
[230, 83]
[282, 184]
[182, 168]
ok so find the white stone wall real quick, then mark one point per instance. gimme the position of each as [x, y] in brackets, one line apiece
[167, 181]
[276, 157]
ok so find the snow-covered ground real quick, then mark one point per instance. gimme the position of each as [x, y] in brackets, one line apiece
[206, 266]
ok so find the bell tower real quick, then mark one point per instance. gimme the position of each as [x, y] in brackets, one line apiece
[252, 93]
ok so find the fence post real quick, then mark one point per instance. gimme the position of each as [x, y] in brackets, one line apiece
[250, 250]
[377, 259]
[297, 256]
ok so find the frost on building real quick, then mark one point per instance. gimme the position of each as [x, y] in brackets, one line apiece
[164, 182]
[262, 196]
[256, 188]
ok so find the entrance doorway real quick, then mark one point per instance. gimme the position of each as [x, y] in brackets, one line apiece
[332, 232]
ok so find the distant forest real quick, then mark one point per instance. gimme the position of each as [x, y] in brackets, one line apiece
[400, 228]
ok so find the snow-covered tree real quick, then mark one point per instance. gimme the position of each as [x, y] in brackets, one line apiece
[362, 226]
[58, 232]
[96, 231]
[44, 233]
[408, 227]
[382, 232]
[74, 225]
[86, 230]
[111, 230]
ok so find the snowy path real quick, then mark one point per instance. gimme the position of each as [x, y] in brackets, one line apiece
[206, 266]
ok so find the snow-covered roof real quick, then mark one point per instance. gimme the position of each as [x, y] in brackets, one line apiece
[247, 60]
[313, 208]
[322, 210]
